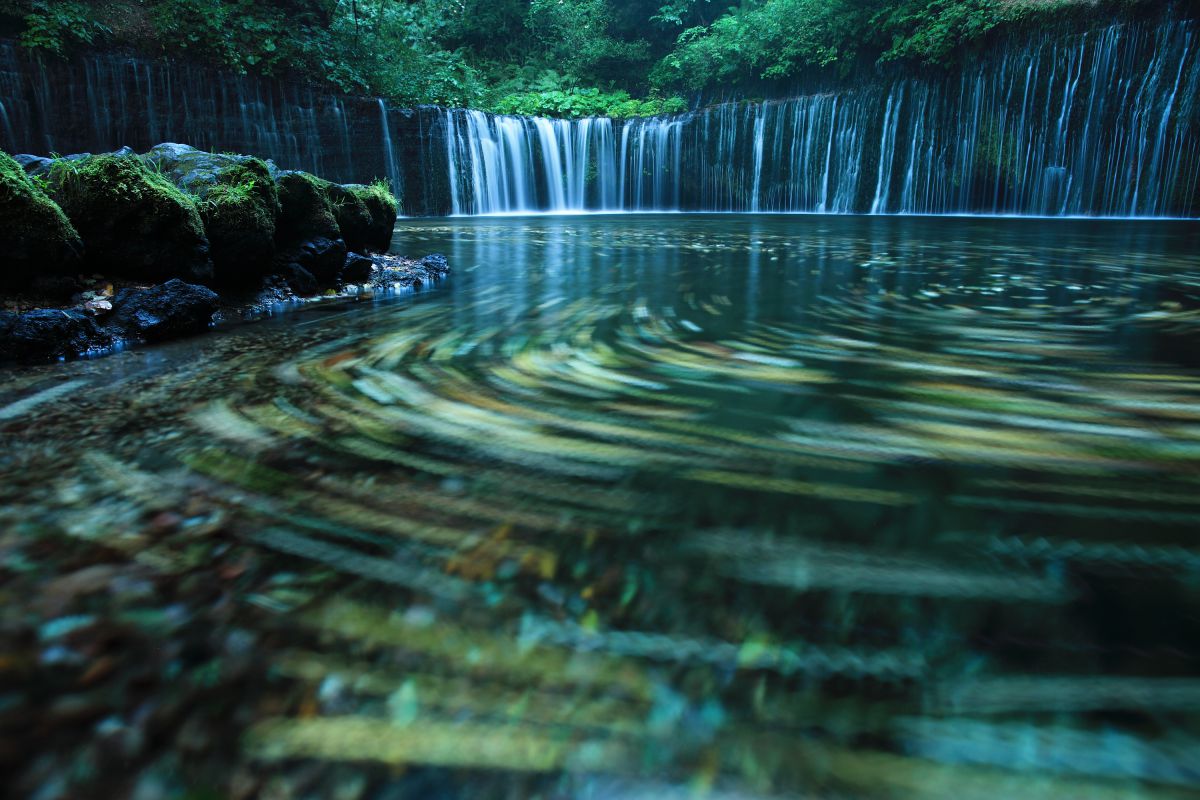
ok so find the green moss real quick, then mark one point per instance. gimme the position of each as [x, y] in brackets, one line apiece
[133, 220]
[378, 193]
[35, 235]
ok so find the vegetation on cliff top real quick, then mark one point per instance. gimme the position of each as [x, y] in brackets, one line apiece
[557, 57]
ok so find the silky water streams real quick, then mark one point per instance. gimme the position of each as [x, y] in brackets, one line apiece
[634, 507]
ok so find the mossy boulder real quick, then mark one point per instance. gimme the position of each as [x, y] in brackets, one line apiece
[306, 209]
[193, 170]
[353, 216]
[36, 238]
[366, 215]
[134, 221]
[238, 202]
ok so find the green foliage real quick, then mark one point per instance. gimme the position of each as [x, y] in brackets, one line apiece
[929, 32]
[55, 27]
[773, 39]
[378, 192]
[555, 57]
[585, 103]
[766, 39]
[227, 194]
[574, 34]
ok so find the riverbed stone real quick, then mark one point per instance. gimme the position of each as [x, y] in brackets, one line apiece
[168, 311]
[357, 269]
[48, 333]
[298, 279]
[134, 222]
[36, 238]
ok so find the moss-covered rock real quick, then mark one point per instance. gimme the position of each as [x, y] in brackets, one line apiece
[238, 202]
[240, 222]
[36, 238]
[365, 214]
[353, 216]
[306, 209]
[133, 220]
[193, 170]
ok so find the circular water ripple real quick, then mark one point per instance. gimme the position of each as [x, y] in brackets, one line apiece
[896, 488]
[851, 517]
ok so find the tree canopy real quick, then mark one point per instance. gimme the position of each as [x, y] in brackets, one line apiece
[559, 57]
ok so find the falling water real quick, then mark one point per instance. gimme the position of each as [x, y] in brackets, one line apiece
[1103, 123]
[394, 176]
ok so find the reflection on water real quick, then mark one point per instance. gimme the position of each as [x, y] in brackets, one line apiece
[635, 507]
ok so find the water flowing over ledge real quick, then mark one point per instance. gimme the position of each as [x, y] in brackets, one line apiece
[1102, 123]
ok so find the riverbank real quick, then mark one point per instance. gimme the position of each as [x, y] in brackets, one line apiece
[108, 250]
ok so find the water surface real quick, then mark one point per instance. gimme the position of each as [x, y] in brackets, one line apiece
[644, 506]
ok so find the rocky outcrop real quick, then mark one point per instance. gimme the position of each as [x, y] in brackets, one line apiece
[306, 209]
[366, 215]
[188, 218]
[357, 269]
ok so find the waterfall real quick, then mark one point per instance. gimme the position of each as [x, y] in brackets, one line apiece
[1100, 123]
[1103, 123]
[394, 177]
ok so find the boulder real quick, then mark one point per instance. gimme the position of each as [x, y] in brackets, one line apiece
[170, 310]
[33, 165]
[306, 211]
[49, 333]
[134, 222]
[36, 238]
[322, 257]
[238, 202]
[298, 279]
[357, 269]
[366, 215]
[193, 170]
[353, 217]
